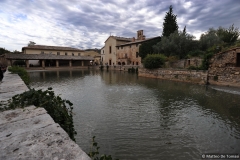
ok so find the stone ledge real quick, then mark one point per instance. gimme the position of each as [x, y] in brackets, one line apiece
[30, 133]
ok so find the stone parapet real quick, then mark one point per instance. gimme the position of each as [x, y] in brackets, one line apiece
[182, 75]
[30, 133]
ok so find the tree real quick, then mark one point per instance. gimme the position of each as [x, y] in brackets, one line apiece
[229, 35]
[209, 39]
[147, 47]
[170, 23]
[177, 44]
[3, 51]
[31, 43]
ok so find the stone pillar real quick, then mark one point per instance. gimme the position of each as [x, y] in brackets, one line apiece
[82, 63]
[27, 63]
[57, 63]
[70, 63]
[43, 64]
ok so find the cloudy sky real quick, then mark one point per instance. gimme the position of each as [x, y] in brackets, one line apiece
[87, 23]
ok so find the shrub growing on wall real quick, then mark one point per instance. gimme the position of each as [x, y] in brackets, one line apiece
[59, 109]
[21, 72]
[154, 61]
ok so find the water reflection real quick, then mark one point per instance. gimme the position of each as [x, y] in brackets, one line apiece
[141, 118]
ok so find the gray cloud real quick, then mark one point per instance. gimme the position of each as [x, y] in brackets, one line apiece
[88, 23]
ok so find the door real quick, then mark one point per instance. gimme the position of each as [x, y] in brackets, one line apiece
[238, 60]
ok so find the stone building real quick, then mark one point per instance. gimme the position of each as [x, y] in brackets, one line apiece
[51, 56]
[109, 51]
[123, 51]
[224, 68]
[56, 50]
[128, 53]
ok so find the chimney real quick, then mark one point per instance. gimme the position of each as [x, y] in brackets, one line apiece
[133, 39]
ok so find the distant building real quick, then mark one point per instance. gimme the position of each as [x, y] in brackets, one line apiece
[52, 56]
[123, 51]
[56, 50]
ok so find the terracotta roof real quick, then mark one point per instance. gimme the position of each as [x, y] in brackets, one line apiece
[137, 41]
[43, 47]
[45, 57]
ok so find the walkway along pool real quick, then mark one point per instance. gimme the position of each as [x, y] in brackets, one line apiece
[141, 118]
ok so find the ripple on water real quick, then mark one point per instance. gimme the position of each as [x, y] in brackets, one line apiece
[138, 118]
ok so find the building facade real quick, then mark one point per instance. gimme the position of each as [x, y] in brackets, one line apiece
[52, 56]
[123, 51]
[56, 50]
[109, 51]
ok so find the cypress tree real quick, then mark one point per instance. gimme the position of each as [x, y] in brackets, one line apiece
[170, 23]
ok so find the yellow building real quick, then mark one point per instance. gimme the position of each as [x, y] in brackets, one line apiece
[51, 56]
[56, 50]
[109, 51]
[123, 51]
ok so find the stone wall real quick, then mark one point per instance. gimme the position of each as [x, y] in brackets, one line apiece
[223, 69]
[192, 76]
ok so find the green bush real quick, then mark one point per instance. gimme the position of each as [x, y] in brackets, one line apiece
[205, 62]
[21, 72]
[154, 61]
[195, 53]
[54, 105]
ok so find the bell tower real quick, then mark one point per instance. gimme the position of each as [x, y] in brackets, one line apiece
[140, 35]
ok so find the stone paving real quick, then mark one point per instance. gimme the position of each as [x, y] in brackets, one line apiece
[30, 133]
[11, 85]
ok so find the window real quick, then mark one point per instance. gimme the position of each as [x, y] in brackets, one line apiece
[42, 52]
[136, 45]
[238, 60]
[133, 63]
[110, 49]
[65, 53]
[58, 53]
[130, 46]
[136, 54]
[137, 63]
[125, 55]
[118, 48]
[121, 47]
[72, 54]
[78, 54]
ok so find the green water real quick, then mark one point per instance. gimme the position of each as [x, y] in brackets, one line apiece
[140, 118]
